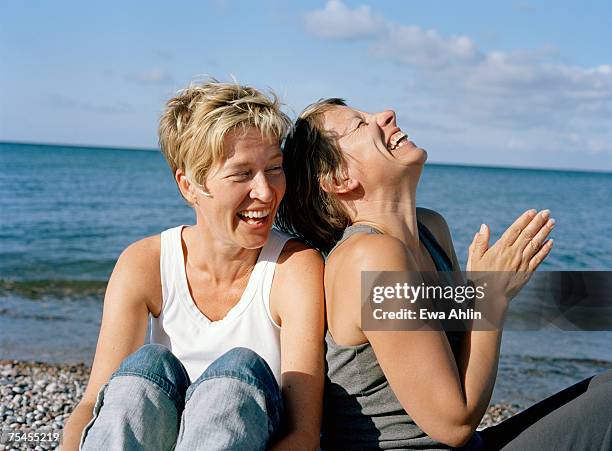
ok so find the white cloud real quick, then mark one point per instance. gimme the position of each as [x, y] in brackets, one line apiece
[496, 93]
[340, 22]
[425, 48]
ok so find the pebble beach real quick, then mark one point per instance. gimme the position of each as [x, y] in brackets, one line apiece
[39, 397]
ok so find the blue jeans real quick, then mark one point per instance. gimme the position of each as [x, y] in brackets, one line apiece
[150, 404]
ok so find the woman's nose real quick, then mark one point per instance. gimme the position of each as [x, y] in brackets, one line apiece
[261, 188]
[385, 118]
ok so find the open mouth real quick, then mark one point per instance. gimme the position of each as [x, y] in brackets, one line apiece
[398, 139]
[254, 217]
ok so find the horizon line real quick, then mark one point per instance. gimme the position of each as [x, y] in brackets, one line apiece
[441, 163]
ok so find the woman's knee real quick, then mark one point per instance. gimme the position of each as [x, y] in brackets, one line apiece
[245, 365]
[243, 362]
[243, 376]
[156, 363]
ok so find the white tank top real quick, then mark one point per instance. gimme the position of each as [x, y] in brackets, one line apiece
[196, 340]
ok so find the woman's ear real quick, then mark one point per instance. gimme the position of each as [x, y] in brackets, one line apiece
[185, 186]
[339, 186]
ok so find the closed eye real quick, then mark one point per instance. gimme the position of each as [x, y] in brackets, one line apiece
[275, 170]
[359, 125]
[239, 176]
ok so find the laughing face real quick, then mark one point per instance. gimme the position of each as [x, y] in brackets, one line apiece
[244, 189]
[374, 146]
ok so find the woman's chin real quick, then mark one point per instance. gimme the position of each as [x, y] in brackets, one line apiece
[413, 157]
[253, 236]
[410, 154]
[425, 155]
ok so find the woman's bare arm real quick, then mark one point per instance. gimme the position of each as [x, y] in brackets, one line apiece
[133, 282]
[298, 291]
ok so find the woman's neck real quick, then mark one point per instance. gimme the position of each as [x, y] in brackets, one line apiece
[222, 262]
[393, 212]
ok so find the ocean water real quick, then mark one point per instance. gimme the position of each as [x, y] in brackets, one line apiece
[68, 212]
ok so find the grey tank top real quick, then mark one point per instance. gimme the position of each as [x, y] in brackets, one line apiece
[361, 412]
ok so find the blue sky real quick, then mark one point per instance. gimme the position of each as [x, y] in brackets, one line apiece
[517, 83]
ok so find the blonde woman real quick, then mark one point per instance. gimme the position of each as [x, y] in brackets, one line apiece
[235, 308]
[351, 192]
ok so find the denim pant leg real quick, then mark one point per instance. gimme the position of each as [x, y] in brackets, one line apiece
[139, 409]
[235, 404]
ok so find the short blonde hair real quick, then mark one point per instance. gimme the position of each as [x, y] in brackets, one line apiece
[311, 160]
[196, 121]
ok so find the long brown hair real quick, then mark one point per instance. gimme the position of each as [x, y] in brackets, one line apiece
[311, 158]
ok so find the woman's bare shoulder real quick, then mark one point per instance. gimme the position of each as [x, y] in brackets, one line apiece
[297, 286]
[297, 255]
[371, 252]
[138, 272]
[144, 253]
